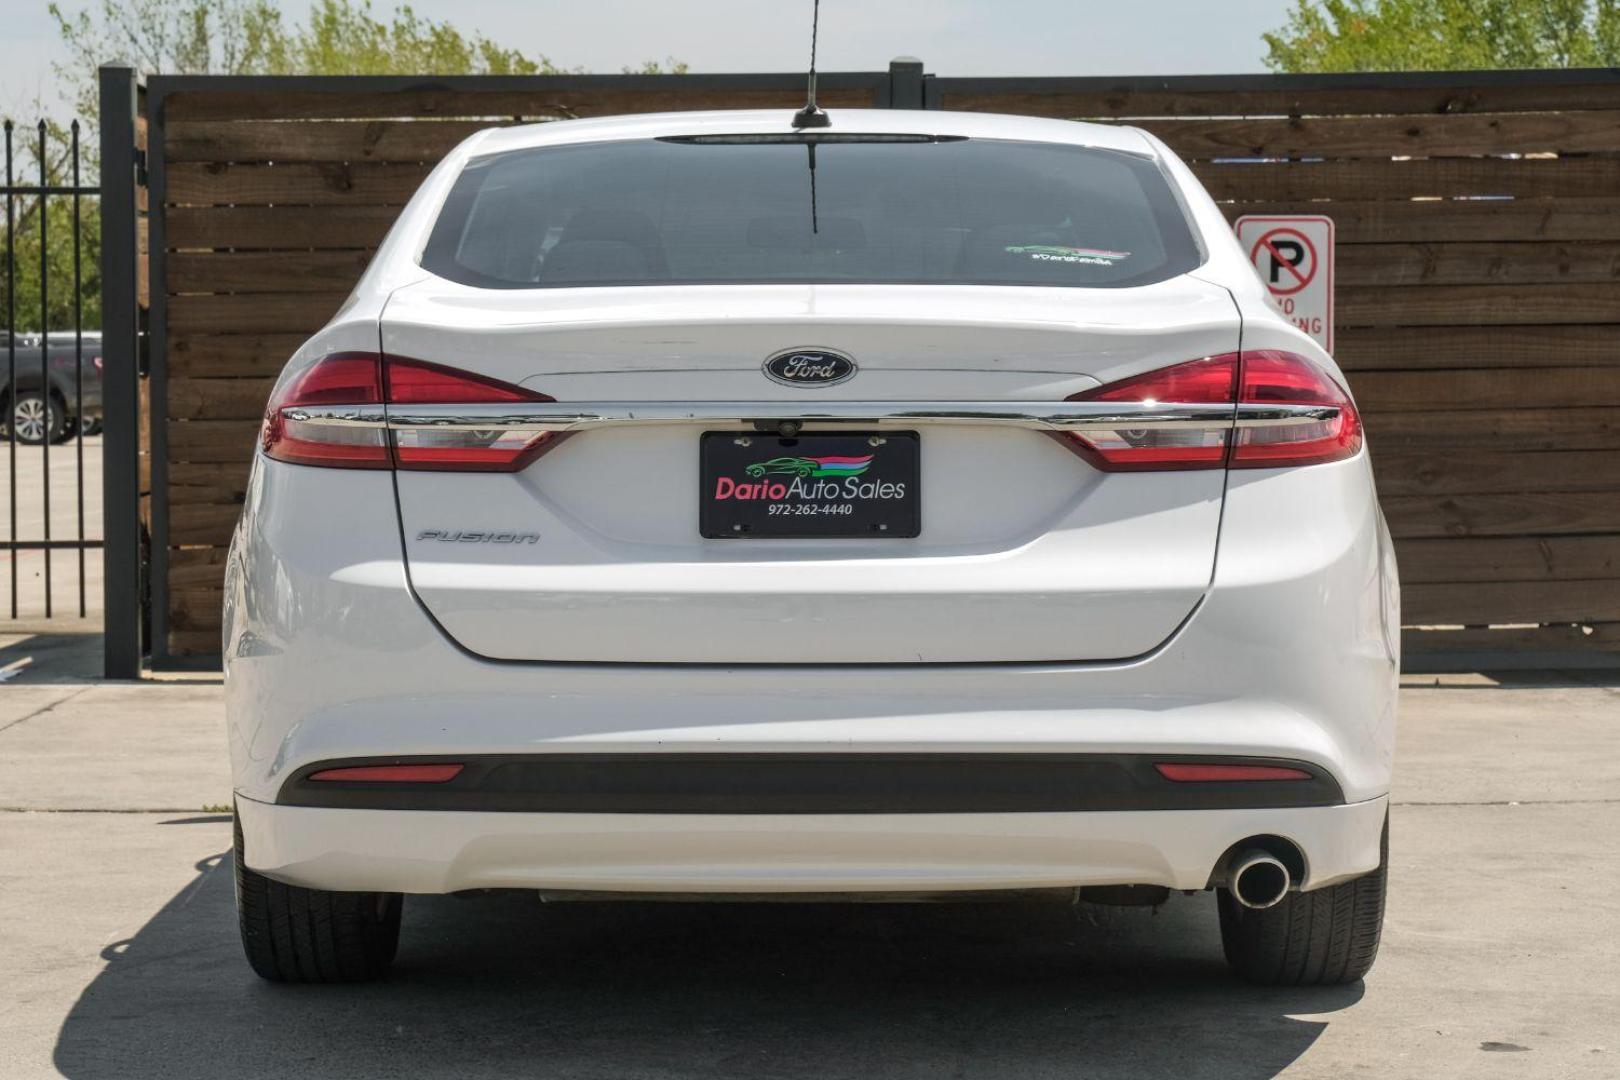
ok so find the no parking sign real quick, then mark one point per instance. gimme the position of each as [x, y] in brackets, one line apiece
[1294, 258]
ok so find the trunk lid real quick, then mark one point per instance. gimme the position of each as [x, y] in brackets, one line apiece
[1025, 552]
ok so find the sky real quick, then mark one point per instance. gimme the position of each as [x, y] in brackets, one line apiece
[952, 37]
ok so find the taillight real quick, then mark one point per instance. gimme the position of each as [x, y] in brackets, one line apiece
[295, 430]
[1257, 378]
[391, 774]
[299, 425]
[482, 449]
[1210, 381]
[1271, 377]
[1204, 772]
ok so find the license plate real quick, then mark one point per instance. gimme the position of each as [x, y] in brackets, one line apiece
[846, 486]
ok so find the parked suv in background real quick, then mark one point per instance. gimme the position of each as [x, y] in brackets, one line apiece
[928, 503]
[39, 408]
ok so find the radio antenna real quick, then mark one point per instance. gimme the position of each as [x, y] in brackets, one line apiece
[812, 116]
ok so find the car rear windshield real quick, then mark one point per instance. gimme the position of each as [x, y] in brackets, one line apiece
[815, 209]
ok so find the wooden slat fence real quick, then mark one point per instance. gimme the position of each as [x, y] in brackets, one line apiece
[1478, 218]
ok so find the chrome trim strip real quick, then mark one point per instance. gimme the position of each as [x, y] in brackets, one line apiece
[352, 416]
[1038, 415]
[1281, 415]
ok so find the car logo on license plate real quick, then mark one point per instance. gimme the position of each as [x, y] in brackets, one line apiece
[809, 367]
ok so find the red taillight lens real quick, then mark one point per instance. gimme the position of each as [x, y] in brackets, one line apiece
[391, 774]
[1210, 381]
[293, 430]
[417, 382]
[1261, 377]
[1271, 377]
[1203, 772]
[492, 449]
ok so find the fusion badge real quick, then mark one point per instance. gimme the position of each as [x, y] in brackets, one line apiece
[458, 536]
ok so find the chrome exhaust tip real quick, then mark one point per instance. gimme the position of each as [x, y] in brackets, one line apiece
[1258, 879]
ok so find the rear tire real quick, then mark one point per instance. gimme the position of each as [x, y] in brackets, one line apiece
[1325, 937]
[297, 935]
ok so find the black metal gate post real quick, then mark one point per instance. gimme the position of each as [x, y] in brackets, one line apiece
[120, 307]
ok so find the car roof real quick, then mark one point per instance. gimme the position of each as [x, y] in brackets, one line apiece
[778, 121]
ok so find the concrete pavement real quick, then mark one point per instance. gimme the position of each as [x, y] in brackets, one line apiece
[118, 952]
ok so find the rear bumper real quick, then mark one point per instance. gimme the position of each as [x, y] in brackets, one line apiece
[448, 851]
[850, 782]
[1292, 655]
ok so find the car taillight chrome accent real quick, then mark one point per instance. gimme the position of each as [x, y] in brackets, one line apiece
[1284, 411]
[1210, 381]
[358, 410]
[297, 424]
[336, 414]
[488, 448]
[1273, 377]
[1053, 416]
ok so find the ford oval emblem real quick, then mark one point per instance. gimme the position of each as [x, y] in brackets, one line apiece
[809, 367]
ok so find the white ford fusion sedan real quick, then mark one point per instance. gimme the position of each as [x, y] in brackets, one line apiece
[925, 504]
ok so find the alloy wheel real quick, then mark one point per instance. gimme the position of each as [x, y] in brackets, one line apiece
[32, 418]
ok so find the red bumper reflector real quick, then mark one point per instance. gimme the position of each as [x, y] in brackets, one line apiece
[392, 774]
[1196, 771]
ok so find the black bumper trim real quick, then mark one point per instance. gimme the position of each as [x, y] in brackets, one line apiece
[797, 783]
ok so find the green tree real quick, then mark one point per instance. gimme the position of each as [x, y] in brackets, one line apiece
[211, 37]
[250, 37]
[1432, 35]
[345, 38]
[668, 66]
[48, 220]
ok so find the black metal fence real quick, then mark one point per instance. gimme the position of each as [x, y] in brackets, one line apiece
[50, 400]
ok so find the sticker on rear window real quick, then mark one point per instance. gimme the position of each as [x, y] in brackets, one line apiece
[1065, 253]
